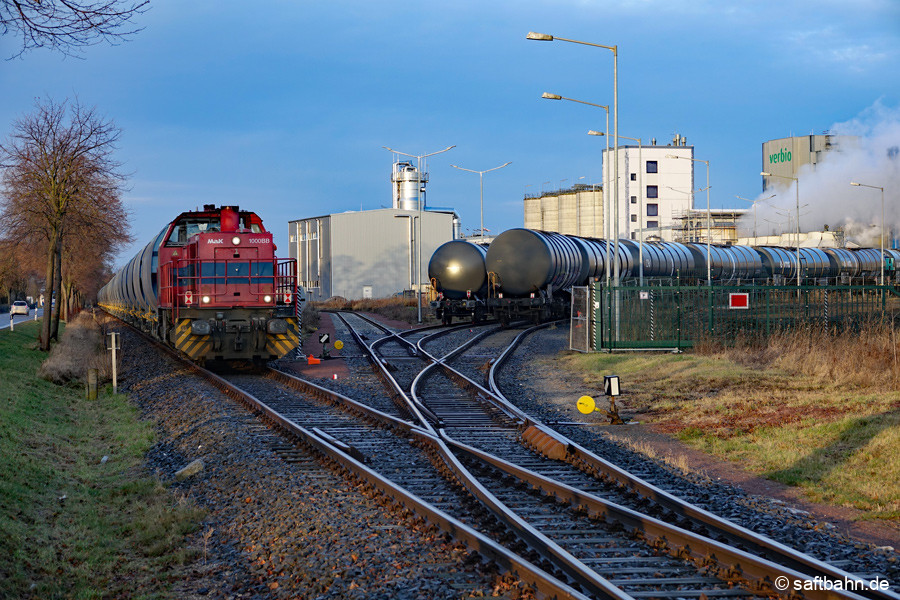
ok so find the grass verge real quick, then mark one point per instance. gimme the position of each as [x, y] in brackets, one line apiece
[808, 410]
[73, 525]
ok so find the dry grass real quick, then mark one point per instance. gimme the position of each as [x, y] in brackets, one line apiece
[396, 309]
[819, 410]
[82, 347]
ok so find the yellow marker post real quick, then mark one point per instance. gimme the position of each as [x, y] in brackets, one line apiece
[338, 344]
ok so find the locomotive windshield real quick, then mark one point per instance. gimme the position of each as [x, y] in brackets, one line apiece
[185, 228]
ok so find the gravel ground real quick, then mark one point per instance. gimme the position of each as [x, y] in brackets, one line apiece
[524, 382]
[280, 525]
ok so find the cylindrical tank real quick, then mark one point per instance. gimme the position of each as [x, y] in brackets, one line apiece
[869, 261]
[457, 268]
[778, 261]
[406, 182]
[667, 259]
[814, 262]
[724, 264]
[525, 261]
[843, 262]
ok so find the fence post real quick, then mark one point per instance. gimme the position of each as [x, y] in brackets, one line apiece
[92, 384]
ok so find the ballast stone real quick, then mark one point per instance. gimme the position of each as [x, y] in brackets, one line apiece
[190, 470]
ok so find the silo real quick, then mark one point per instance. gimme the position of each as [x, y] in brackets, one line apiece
[406, 181]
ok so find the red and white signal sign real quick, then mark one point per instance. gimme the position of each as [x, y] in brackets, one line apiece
[739, 300]
[189, 297]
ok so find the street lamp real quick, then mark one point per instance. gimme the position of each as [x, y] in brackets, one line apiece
[882, 221]
[481, 182]
[544, 37]
[708, 217]
[419, 164]
[640, 203]
[767, 174]
[607, 233]
[753, 202]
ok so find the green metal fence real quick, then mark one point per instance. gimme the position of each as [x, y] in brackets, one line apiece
[679, 316]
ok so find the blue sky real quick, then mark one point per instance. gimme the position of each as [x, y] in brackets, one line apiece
[283, 107]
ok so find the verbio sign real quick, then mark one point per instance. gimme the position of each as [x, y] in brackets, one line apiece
[781, 156]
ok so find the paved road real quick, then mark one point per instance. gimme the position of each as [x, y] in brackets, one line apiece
[4, 318]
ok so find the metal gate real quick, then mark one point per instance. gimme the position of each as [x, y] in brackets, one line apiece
[581, 335]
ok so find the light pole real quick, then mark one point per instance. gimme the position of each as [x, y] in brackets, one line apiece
[708, 215]
[767, 174]
[481, 182]
[544, 37]
[419, 163]
[882, 221]
[607, 233]
[753, 202]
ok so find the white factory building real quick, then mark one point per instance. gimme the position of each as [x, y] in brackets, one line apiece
[374, 253]
[656, 187]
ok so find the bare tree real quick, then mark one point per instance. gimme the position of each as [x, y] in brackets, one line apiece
[69, 25]
[58, 165]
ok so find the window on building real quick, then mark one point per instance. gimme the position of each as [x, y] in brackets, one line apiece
[634, 176]
[632, 235]
[652, 166]
[634, 199]
[634, 218]
[653, 191]
[652, 224]
[652, 210]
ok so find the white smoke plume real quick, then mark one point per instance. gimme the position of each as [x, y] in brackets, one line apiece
[832, 201]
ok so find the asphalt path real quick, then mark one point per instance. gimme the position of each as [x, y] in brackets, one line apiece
[4, 318]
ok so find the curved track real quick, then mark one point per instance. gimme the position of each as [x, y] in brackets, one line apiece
[464, 457]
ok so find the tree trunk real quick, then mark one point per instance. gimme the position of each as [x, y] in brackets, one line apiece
[48, 291]
[57, 288]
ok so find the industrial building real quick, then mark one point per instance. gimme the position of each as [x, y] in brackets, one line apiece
[784, 157]
[656, 184]
[375, 253]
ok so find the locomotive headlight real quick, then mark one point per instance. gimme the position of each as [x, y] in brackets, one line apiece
[205, 299]
[267, 299]
[236, 240]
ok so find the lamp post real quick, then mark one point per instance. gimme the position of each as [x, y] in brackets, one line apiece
[708, 215]
[615, 50]
[606, 198]
[882, 221]
[420, 162]
[767, 174]
[753, 202]
[481, 182]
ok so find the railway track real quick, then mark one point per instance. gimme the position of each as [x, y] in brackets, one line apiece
[446, 446]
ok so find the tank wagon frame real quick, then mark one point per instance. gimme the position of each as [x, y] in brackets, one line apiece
[209, 285]
[530, 273]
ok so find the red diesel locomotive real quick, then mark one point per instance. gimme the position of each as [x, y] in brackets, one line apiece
[210, 286]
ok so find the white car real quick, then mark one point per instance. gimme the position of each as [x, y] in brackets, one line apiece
[19, 308]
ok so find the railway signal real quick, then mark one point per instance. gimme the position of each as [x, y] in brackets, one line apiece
[586, 404]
